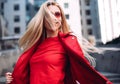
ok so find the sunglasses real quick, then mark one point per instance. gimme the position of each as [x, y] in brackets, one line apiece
[56, 14]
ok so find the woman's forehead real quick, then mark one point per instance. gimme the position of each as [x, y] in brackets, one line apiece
[53, 8]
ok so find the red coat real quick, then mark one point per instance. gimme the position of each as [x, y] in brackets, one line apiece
[78, 69]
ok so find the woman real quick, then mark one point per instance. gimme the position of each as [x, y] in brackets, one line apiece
[51, 54]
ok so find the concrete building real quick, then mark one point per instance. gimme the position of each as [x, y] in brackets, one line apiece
[100, 19]
[109, 23]
[2, 20]
[2, 6]
[30, 10]
[118, 6]
[72, 12]
[17, 21]
[15, 15]
[38, 3]
[32, 6]
[3, 30]
[90, 20]
[118, 12]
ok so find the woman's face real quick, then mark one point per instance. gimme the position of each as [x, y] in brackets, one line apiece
[53, 23]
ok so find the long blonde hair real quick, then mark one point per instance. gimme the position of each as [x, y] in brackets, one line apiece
[36, 26]
[35, 31]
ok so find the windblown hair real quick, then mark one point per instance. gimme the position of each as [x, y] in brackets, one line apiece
[35, 31]
[36, 26]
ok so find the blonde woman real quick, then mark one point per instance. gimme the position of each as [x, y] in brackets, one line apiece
[53, 55]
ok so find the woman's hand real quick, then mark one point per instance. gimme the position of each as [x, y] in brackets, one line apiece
[9, 78]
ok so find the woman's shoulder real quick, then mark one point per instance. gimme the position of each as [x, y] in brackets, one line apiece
[69, 34]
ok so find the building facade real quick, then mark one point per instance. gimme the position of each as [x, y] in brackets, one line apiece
[3, 29]
[100, 20]
[72, 12]
[90, 20]
[97, 19]
[15, 15]
[109, 23]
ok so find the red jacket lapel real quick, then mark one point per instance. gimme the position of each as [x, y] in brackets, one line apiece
[81, 70]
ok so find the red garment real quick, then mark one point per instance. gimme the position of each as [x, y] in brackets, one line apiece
[47, 65]
[80, 68]
[77, 67]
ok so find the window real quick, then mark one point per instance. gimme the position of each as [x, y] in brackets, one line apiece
[89, 31]
[16, 7]
[87, 2]
[17, 18]
[81, 22]
[17, 30]
[88, 12]
[82, 32]
[27, 7]
[80, 12]
[2, 13]
[36, 8]
[2, 5]
[89, 22]
[66, 5]
[80, 2]
[67, 16]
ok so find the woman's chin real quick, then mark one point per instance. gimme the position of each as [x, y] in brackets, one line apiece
[55, 29]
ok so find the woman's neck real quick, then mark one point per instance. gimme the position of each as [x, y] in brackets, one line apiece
[51, 33]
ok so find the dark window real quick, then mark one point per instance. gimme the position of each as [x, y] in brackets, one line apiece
[17, 30]
[2, 13]
[16, 7]
[80, 2]
[36, 8]
[80, 12]
[67, 16]
[87, 2]
[27, 7]
[90, 32]
[17, 18]
[89, 22]
[2, 5]
[88, 12]
[82, 32]
[66, 5]
[81, 22]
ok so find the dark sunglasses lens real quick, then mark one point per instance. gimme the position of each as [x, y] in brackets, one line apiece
[57, 14]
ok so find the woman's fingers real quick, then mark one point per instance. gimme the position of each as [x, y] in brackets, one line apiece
[8, 77]
[8, 74]
[9, 80]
